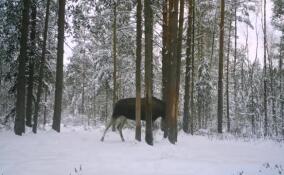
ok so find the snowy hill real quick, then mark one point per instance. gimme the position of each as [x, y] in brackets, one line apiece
[60, 154]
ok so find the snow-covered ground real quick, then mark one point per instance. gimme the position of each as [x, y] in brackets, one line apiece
[51, 153]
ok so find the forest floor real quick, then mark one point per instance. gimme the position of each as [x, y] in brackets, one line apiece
[80, 151]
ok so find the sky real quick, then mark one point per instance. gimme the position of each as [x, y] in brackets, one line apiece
[252, 39]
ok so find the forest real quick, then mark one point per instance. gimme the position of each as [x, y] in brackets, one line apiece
[201, 81]
[216, 65]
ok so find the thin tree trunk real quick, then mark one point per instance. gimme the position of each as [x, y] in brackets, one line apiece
[165, 62]
[94, 105]
[187, 72]
[19, 127]
[164, 49]
[114, 40]
[192, 69]
[235, 63]
[220, 74]
[273, 93]
[264, 69]
[179, 53]
[138, 69]
[227, 79]
[45, 108]
[29, 107]
[281, 82]
[148, 15]
[59, 68]
[213, 42]
[41, 73]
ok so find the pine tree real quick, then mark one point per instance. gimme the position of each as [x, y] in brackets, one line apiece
[220, 75]
[59, 68]
[138, 69]
[19, 127]
[41, 72]
[29, 107]
[148, 15]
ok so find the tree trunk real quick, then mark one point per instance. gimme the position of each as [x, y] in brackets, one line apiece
[281, 82]
[235, 63]
[172, 78]
[227, 79]
[114, 40]
[264, 69]
[138, 69]
[41, 73]
[29, 107]
[59, 68]
[19, 127]
[179, 53]
[45, 107]
[165, 61]
[273, 95]
[192, 69]
[220, 74]
[148, 15]
[164, 48]
[187, 72]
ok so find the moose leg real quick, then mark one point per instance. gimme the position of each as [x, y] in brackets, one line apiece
[122, 122]
[108, 126]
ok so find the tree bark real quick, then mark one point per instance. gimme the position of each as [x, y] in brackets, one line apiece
[59, 68]
[281, 82]
[192, 113]
[220, 72]
[29, 107]
[235, 62]
[227, 79]
[114, 40]
[41, 72]
[148, 15]
[164, 48]
[187, 72]
[19, 127]
[264, 69]
[172, 78]
[138, 69]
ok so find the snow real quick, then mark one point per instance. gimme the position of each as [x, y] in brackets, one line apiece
[54, 153]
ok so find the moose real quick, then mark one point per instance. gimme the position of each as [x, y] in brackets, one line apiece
[125, 109]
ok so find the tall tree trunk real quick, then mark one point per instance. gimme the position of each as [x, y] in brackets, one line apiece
[114, 54]
[165, 61]
[187, 71]
[59, 68]
[273, 94]
[179, 53]
[138, 69]
[192, 113]
[227, 78]
[213, 41]
[220, 74]
[264, 69]
[164, 48]
[29, 107]
[94, 105]
[148, 15]
[41, 73]
[172, 78]
[281, 81]
[235, 61]
[45, 108]
[19, 127]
